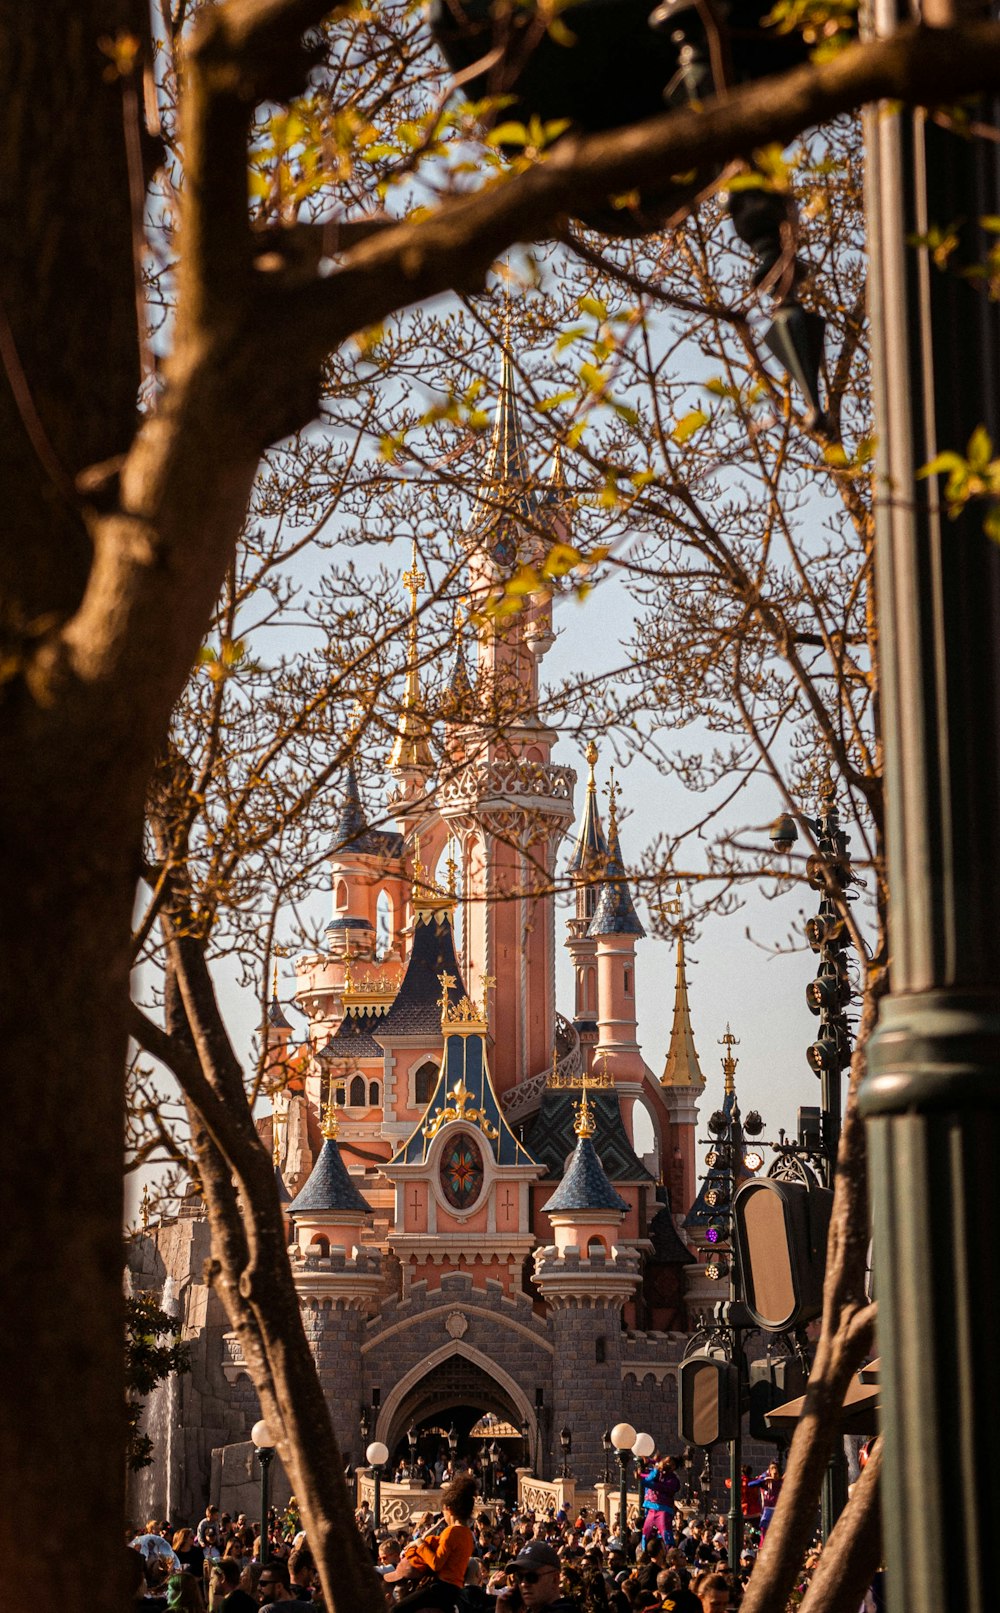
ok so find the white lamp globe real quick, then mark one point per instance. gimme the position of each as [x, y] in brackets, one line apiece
[644, 1445]
[377, 1453]
[623, 1436]
[261, 1436]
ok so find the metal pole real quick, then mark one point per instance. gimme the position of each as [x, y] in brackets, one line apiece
[265, 1456]
[932, 1094]
[735, 1530]
[623, 1528]
[378, 1496]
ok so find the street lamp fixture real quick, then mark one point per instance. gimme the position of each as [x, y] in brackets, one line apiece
[623, 1437]
[411, 1439]
[365, 1423]
[565, 1445]
[376, 1456]
[526, 1442]
[608, 1448]
[262, 1438]
[453, 1442]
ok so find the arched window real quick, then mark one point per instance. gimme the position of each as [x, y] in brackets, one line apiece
[628, 982]
[340, 895]
[320, 1245]
[384, 925]
[374, 1096]
[340, 1097]
[424, 1082]
[357, 1098]
[590, 989]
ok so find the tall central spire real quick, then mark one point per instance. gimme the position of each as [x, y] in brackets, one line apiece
[411, 749]
[682, 1068]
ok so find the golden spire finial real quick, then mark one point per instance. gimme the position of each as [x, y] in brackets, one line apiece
[277, 1121]
[452, 866]
[418, 867]
[330, 1122]
[555, 1058]
[729, 1060]
[411, 748]
[144, 1208]
[584, 1125]
[612, 790]
[591, 754]
[274, 981]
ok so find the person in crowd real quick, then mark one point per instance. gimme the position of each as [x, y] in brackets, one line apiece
[210, 1522]
[225, 1591]
[659, 1498]
[274, 1589]
[188, 1552]
[437, 1562]
[769, 1485]
[184, 1594]
[302, 1572]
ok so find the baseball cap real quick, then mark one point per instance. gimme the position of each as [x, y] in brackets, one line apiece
[536, 1554]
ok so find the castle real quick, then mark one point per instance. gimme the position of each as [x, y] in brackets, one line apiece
[471, 1228]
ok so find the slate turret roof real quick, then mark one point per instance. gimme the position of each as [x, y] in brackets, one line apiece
[416, 1010]
[585, 1185]
[590, 852]
[615, 913]
[329, 1187]
[354, 1038]
[353, 833]
[276, 1016]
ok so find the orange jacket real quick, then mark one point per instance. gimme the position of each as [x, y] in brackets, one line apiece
[447, 1555]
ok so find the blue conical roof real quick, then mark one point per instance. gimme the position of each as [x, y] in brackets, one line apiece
[329, 1187]
[586, 1185]
[615, 913]
[590, 852]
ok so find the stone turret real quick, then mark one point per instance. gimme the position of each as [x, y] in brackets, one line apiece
[585, 1279]
[682, 1083]
[615, 928]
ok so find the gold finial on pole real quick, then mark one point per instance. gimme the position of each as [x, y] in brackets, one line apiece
[144, 1208]
[584, 1125]
[452, 867]
[330, 1122]
[729, 1060]
[591, 754]
[612, 790]
[277, 1121]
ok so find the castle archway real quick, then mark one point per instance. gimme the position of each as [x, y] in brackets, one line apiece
[456, 1384]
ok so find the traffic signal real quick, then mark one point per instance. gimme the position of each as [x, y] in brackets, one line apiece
[772, 1383]
[780, 1231]
[708, 1403]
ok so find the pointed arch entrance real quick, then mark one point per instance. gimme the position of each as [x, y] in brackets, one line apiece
[455, 1379]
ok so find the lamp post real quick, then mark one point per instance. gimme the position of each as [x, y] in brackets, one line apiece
[642, 1450]
[565, 1445]
[623, 1437]
[608, 1447]
[929, 1096]
[526, 1442]
[364, 1422]
[411, 1439]
[376, 1456]
[495, 1454]
[688, 1462]
[452, 1446]
[261, 1436]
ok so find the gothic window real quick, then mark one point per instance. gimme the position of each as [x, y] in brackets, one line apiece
[589, 901]
[383, 925]
[424, 1083]
[374, 1097]
[461, 1171]
[340, 895]
[340, 1097]
[357, 1099]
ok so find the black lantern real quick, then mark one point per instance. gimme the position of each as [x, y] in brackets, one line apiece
[411, 1439]
[453, 1442]
[526, 1442]
[365, 1422]
[565, 1445]
[608, 1448]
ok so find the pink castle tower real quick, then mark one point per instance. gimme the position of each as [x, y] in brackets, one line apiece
[506, 802]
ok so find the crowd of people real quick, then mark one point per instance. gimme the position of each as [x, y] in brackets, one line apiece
[469, 1557]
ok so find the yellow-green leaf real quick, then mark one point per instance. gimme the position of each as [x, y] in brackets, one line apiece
[689, 424]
